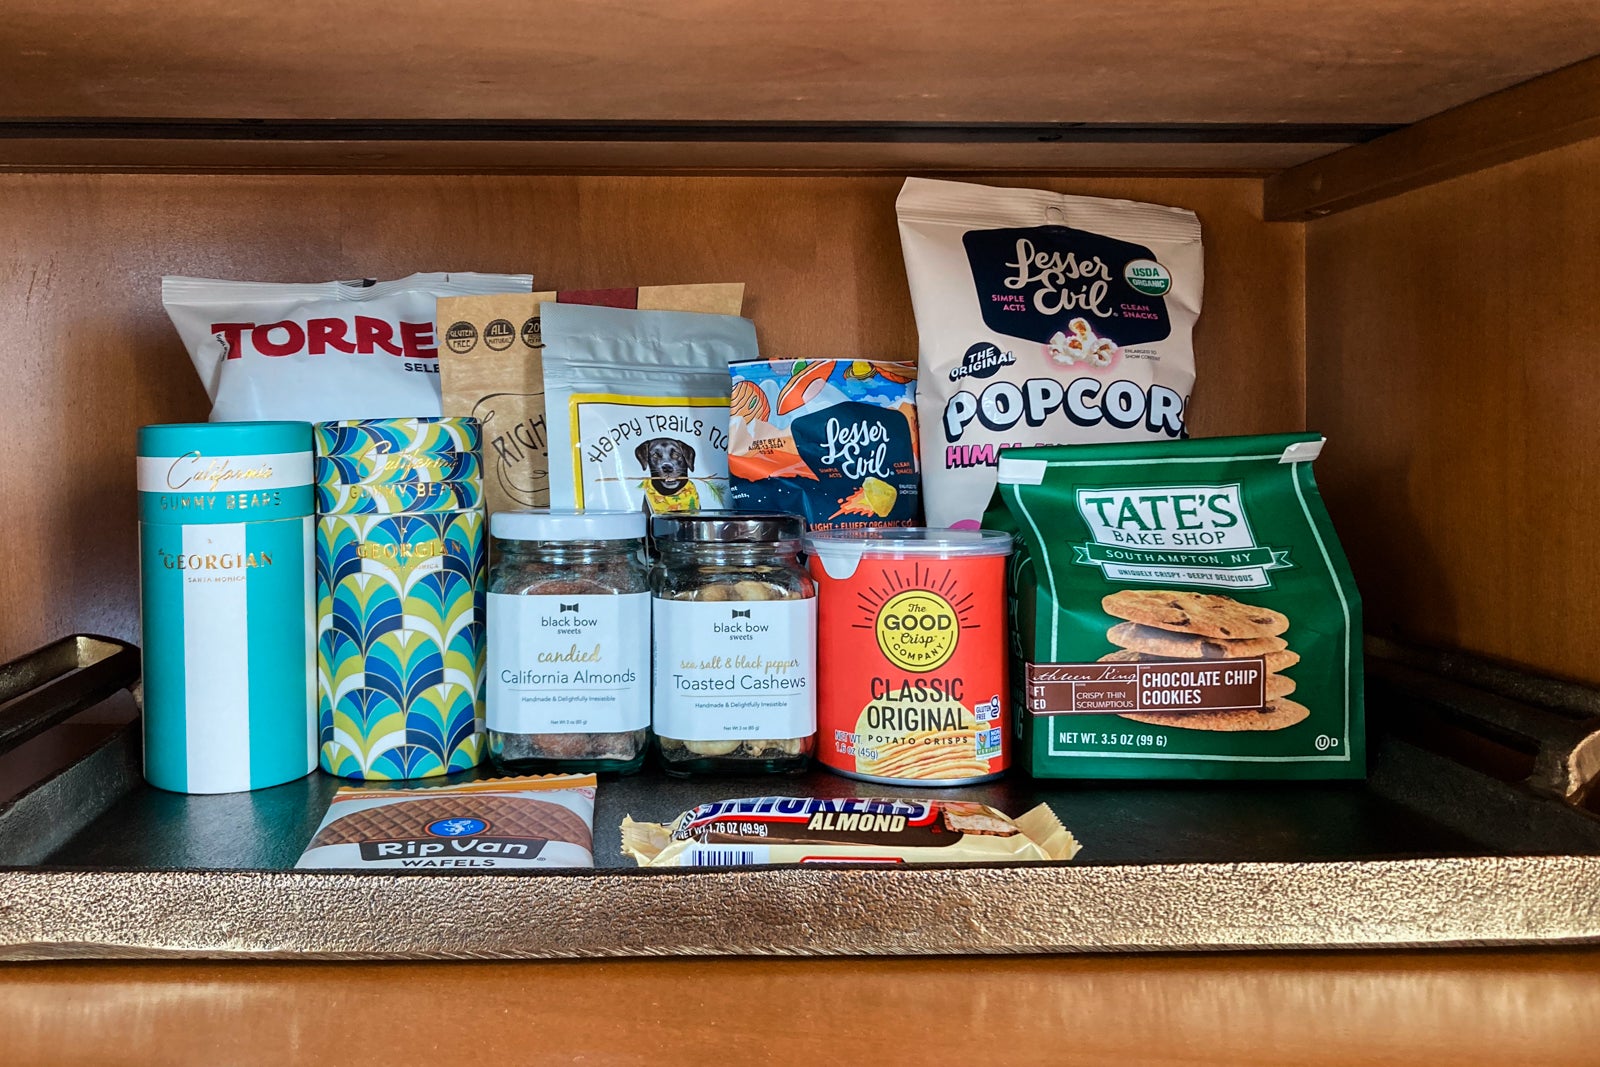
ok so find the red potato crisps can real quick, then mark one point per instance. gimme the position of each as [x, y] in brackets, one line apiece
[911, 654]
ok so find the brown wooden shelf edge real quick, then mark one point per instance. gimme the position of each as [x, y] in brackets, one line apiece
[667, 148]
[1549, 111]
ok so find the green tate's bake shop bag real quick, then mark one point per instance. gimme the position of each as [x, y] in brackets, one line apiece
[1180, 610]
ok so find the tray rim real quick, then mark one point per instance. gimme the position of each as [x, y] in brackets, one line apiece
[199, 913]
[1024, 909]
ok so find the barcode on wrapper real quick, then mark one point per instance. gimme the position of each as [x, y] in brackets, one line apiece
[726, 856]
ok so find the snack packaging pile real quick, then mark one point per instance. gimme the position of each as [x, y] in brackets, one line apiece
[491, 368]
[1181, 610]
[832, 440]
[1043, 319]
[541, 821]
[761, 830]
[713, 563]
[319, 351]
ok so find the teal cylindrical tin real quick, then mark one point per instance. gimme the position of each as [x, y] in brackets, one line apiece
[402, 572]
[226, 536]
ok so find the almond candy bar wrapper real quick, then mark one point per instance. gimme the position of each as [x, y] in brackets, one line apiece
[731, 833]
[535, 821]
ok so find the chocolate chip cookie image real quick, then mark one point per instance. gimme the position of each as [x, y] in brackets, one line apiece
[1159, 642]
[1168, 626]
[1206, 614]
[1276, 715]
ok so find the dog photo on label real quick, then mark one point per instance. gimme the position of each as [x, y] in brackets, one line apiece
[668, 462]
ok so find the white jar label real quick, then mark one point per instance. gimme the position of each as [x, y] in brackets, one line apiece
[572, 664]
[735, 670]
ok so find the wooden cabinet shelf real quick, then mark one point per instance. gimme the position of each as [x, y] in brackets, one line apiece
[1398, 201]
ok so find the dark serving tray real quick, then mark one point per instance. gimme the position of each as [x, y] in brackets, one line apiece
[1472, 829]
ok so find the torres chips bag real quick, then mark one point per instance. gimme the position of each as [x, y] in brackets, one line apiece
[833, 440]
[1043, 319]
[319, 351]
[1180, 609]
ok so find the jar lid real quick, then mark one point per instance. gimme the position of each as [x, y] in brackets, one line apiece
[225, 438]
[563, 524]
[840, 552]
[911, 541]
[727, 527]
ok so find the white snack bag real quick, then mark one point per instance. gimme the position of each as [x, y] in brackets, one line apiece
[1042, 319]
[637, 406]
[319, 351]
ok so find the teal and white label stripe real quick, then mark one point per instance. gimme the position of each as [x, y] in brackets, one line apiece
[195, 487]
[229, 620]
[196, 472]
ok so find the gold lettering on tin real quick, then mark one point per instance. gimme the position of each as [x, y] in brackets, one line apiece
[213, 473]
[224, 561]
[401, 552]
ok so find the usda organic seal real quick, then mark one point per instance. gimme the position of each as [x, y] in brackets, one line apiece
[1148, 277]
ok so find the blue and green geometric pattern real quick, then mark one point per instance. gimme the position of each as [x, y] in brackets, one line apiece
[400, 643]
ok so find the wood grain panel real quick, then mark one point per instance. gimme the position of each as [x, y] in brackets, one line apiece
[90, 355]
[1526, 1009]
[895, 60]
[1536, 116]
[1453, 338]
[662, 157]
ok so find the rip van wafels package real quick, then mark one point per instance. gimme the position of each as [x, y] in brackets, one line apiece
[491, 367]
[1180, 610]
[1042, 319]
[762, 830]
[495, 824]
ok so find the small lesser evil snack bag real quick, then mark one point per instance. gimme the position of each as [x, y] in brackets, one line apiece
[637, 406]
[833, 440]
[1180, 610]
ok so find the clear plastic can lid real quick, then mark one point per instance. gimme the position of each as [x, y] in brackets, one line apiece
[911, 541]
[726, 527]
[567, 524]
[839, 552]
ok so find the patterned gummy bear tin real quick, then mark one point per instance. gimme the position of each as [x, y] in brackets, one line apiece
[439, 435]
[402, 570]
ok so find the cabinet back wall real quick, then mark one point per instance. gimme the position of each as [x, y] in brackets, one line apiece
[1454, 363]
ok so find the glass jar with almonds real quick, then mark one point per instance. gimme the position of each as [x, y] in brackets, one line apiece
[735, 643]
